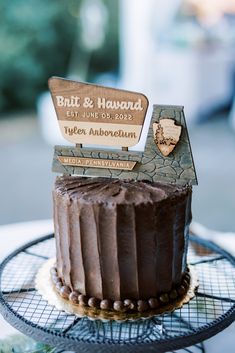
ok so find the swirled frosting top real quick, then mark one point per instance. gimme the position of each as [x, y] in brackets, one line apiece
[116, 191]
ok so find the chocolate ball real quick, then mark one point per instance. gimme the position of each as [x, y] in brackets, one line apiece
[164, 298]
[181, 290]
[153, 303]
[73, 297]
[129, 304]
[142, 305]
[82, 299]
[65, 291]
[118, 305]
[173, 294]
[94, 302]
[106, 304]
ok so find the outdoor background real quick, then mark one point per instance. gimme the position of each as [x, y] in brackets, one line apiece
[179, 52]
[175, 52]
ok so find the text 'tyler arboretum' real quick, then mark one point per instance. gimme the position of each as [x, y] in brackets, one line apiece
[99, 132]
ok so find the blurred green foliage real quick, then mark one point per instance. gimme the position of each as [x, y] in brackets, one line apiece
[36, 42]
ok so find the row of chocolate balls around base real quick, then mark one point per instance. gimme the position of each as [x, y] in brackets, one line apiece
[119, 305]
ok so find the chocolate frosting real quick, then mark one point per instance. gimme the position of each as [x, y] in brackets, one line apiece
[130, 305]
[119, 239]
[110, 191]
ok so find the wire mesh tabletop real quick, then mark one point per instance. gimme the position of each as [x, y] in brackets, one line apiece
[211, 310]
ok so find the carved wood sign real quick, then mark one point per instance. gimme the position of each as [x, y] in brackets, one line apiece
[98, 115]
[166, 135]
[80, 106]
[96, 163]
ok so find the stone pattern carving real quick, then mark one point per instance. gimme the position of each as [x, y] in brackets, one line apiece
[177, 167]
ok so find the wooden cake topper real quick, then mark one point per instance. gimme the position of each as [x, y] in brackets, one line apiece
[98, 115]
[104, 116]
[166, 135]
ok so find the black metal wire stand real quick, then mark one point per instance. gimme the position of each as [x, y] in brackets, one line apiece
[212, 309]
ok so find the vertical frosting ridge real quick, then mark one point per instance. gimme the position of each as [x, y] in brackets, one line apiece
[90, 252]
[68, 231]
[188, 218]
[118, 250]
[77, 277]
[178, 241]
[109, 249]
[135, 251]
[63, 219]
[146, 250]
[127, 252]
[164, 252]
[96, 213]
[58, 237]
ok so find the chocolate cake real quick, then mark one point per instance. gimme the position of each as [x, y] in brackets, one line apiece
[121, 244]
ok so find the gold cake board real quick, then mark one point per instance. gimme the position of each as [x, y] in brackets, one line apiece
[45, 288]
